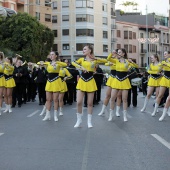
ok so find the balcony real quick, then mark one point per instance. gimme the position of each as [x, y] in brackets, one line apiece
[113, 1]
[143, 51]
[21, 2]
[113, 26]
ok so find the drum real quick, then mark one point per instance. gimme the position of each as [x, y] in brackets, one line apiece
[136, 81]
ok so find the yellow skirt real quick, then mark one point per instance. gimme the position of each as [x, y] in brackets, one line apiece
[154, 82]
[110, 81]
[89, 86]
[54, 86]
[10, 83]
[122, 85]
[2, 81]
[64, 85]
[164, 82]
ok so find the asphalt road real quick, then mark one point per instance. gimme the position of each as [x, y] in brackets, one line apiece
[28, 143]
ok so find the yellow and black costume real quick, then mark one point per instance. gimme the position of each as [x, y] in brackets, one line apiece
[165, 80]
[64, 73]
[112, 74]
[86, 81]
[8, 74]
[155, 76]
[121, 80]
[2, 78]
[54, 82]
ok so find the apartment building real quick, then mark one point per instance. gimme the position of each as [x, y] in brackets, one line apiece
[80, 22]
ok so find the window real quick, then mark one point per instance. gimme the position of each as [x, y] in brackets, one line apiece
[47, 3]
[125, 34]
[55, 33]
[54, 19]
[37, 2]
[118, 33]
[54, 5]
[104, 7]
[141, 35]
[48, 17]
[105, 34]
[65, 18]
[130, 48]
[104, 21]
[134, 35]
[65, 4]
[84, 18]
[37, 15]
[105, 48]
[12, 6]
[113, 13]
[118, 46]
[79, 47]
[66, 46]
[130, 34]
[84, 4]
[55, 47]
[126, 47]
[66, 32]
[85, 32]
[134, 49]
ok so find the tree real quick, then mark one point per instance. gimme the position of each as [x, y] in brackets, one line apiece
[24, 35]
[130, 4]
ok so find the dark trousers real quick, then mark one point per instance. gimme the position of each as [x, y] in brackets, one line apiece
[144, 89]
[41, 92]
[31, 91]
[17, 94]
[68, 97]
[24, 92]
[133, 90]
[97, 94]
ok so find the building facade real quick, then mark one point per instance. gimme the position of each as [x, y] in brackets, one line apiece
[80, 22]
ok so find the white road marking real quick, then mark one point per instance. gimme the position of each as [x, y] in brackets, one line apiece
[32, 114]
[86, 152]
[161, 140]
[1, 134]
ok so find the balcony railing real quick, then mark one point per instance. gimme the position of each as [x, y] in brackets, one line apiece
[113, 26]
[113, 39]
[113, 1]
[143, 51]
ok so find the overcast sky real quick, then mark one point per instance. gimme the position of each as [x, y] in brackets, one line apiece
[157, 6]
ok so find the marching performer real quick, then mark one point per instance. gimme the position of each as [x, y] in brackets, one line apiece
[53, 85]
[64, 75]
[165, 80]
[109, 84]
[2, 79]
[9, 84]
[121, 81]
[154, 79]
[86, 82]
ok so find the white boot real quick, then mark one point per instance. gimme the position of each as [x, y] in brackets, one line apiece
[89, 116]
[10, 109]
[110, 115]
[43, 111]
[164, 114]
[125, 115]
[145, 104]
[155, 109]
[102, 111]
[79, 120]
[117, 111]
[47, 116]
[55, 116]
[6, 108]
[61, 111]
[169, 111]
